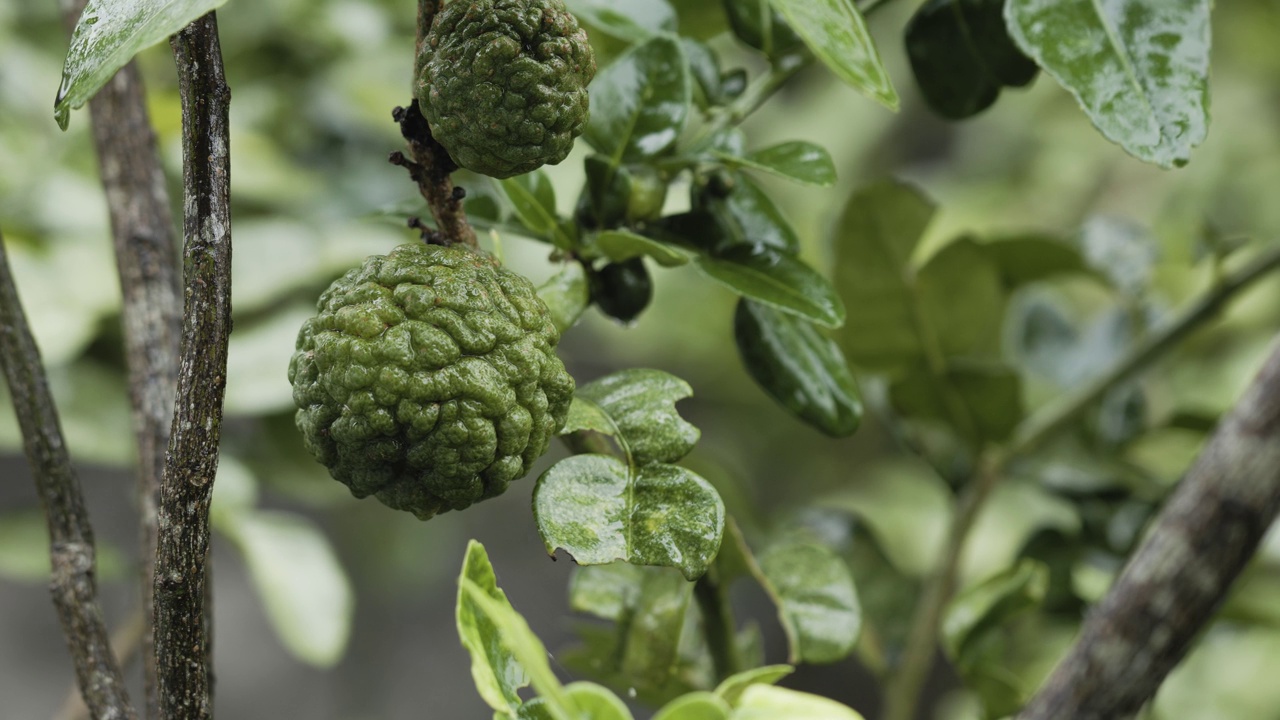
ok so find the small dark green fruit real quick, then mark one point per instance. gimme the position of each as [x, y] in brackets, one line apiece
[622, 290]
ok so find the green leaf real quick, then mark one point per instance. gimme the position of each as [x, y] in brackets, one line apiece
[837, 34]
[732, 687]
[695, 706]
[962, 300]
[108, 35]
[799, 367]
[762, 27]
[608, 592]
[777, 279]
[796, 160]
[591, 700]
[624, 19]
[704, 67]
[874, 242]
[980, 402]
[1139, 68]
[970, 633]
[651, 647]
[566, 295]
[981, 608]
[641, 405]
[620, 245]
[640, 102]
[533, 198]
[745, 215]
[1025, 259]
[600, 511]
[303, 586]
[961, 55]
[816, 600]
[497, 672]
[767, 702]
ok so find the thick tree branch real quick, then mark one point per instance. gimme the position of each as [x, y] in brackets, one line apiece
[73, 585]
[146, 260]
[428, 163]
[181, 632]
[1169, 590]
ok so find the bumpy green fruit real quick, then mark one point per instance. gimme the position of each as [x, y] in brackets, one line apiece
[503, 83]
[429, 379]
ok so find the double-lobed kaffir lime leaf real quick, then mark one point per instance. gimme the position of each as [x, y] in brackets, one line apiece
[643, 509]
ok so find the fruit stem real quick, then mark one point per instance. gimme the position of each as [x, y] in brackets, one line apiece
[428, 163]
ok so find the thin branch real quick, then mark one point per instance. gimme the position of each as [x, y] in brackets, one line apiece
[1178, 577]
[903, 690]
[126, 644]
[182, 642]
[428, 163]
[146, 261]
[73, 583]
[1047, 422]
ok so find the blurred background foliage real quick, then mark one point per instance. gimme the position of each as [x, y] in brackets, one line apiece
[349, 586]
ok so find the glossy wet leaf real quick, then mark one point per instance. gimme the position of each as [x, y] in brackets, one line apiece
[768, 702]
[962, 300]
[816, 600]
[639, 103]
[874, 242]
[305, 591]
[704, 68]
[746, 215]
[962, 55]
[1139, 68]
[695, 706]
[599, 511]
[732, 687]
[592, 701]
[835, 31]
[108, 35]
[762, 27]
[566, 295]
[620, 245]
[641, 405]
[798, 366]
[777, 279]
[534, 200]
[796, 160]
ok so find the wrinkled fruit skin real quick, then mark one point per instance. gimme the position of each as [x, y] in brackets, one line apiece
[429, 379]
[503, 83]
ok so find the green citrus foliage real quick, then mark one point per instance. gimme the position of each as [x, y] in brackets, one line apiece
[429, 379]
[503, 83]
